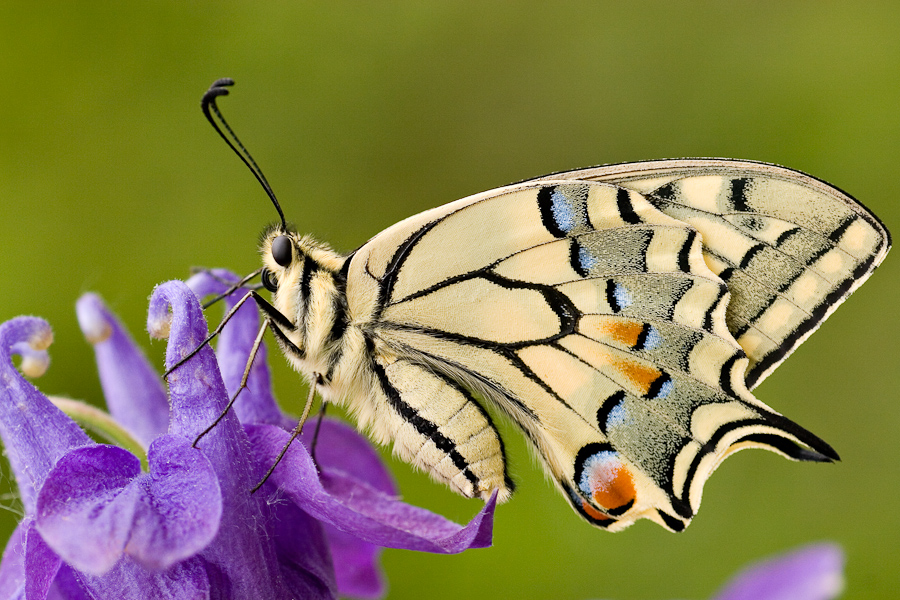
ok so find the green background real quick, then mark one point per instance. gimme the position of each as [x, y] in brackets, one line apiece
[362, 113]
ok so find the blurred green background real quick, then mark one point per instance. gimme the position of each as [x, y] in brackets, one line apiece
[362, 113]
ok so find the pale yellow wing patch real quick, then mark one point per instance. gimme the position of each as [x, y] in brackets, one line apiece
[593, 320]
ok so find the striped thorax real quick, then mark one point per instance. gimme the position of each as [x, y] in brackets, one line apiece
[309, 291]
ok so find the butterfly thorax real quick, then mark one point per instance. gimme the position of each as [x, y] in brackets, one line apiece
[333, 341]
[310, 294]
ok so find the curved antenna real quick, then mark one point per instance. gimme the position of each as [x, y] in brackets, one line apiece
[220, 88]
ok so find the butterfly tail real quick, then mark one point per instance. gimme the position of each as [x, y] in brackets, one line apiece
[792, 441]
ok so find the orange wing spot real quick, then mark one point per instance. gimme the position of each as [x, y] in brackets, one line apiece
[602, 327]
[612, 486]
[624, 332]
[594, 513]
[641, 376]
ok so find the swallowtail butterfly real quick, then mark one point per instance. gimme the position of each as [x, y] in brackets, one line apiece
[619, 315]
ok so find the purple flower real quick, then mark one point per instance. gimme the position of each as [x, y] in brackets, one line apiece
[814, 572]
[140, 523]
[811, 573]
[97, 525]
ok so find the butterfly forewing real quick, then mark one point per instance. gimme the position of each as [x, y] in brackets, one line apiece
[586, 314]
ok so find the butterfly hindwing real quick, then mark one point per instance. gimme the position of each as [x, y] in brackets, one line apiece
[790, 248]
[588, 316]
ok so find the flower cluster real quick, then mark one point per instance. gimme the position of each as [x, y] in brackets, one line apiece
[162, 519]
[153, 517]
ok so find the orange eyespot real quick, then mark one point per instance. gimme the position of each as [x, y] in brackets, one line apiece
[625, 332]
[612, 487]
[641, 376]
[602, 476]
[594, 513]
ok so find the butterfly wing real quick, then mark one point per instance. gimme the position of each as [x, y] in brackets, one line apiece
[587, 315]
[790, 247]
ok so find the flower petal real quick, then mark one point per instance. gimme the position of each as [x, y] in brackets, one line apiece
[86, 507]
[243, 547]
[811, 573]
[255, 403]
[196, 391]
[357, 508]
[356, 566]
[41, 565]
[303, 553]
[96, 504]
[34, 362]
[12, 569]
[66, 586]
[35, 433]
[186, 580]
[134, 392]
[340, 449]
[180, 507]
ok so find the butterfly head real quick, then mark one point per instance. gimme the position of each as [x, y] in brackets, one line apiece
[293, 266]
[282, 265]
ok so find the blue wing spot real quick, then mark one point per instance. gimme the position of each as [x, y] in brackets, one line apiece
[606, 407]
[563, 213]
[665, 389]
[623, 296]
[606, 458]
[653, 339]
[587, 260]
[617, 416]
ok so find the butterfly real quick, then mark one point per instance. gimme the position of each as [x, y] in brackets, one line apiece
[620, 316]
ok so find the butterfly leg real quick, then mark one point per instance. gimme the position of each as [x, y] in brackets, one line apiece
[215, 332]
[315, 439]
[233, 286]
[273, 320]
[250, 359]
[294, 435]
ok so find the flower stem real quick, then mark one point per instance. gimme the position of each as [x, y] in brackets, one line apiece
[101, 423]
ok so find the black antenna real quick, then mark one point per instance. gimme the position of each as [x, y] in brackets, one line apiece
[220, 88]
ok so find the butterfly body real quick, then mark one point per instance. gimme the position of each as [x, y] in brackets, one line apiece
[618, 315]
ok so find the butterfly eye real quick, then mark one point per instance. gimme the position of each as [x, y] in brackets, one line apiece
[267, 281]
[281, 250]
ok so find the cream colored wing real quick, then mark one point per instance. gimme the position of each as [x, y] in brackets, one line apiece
[592, 320]
[790, 247]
